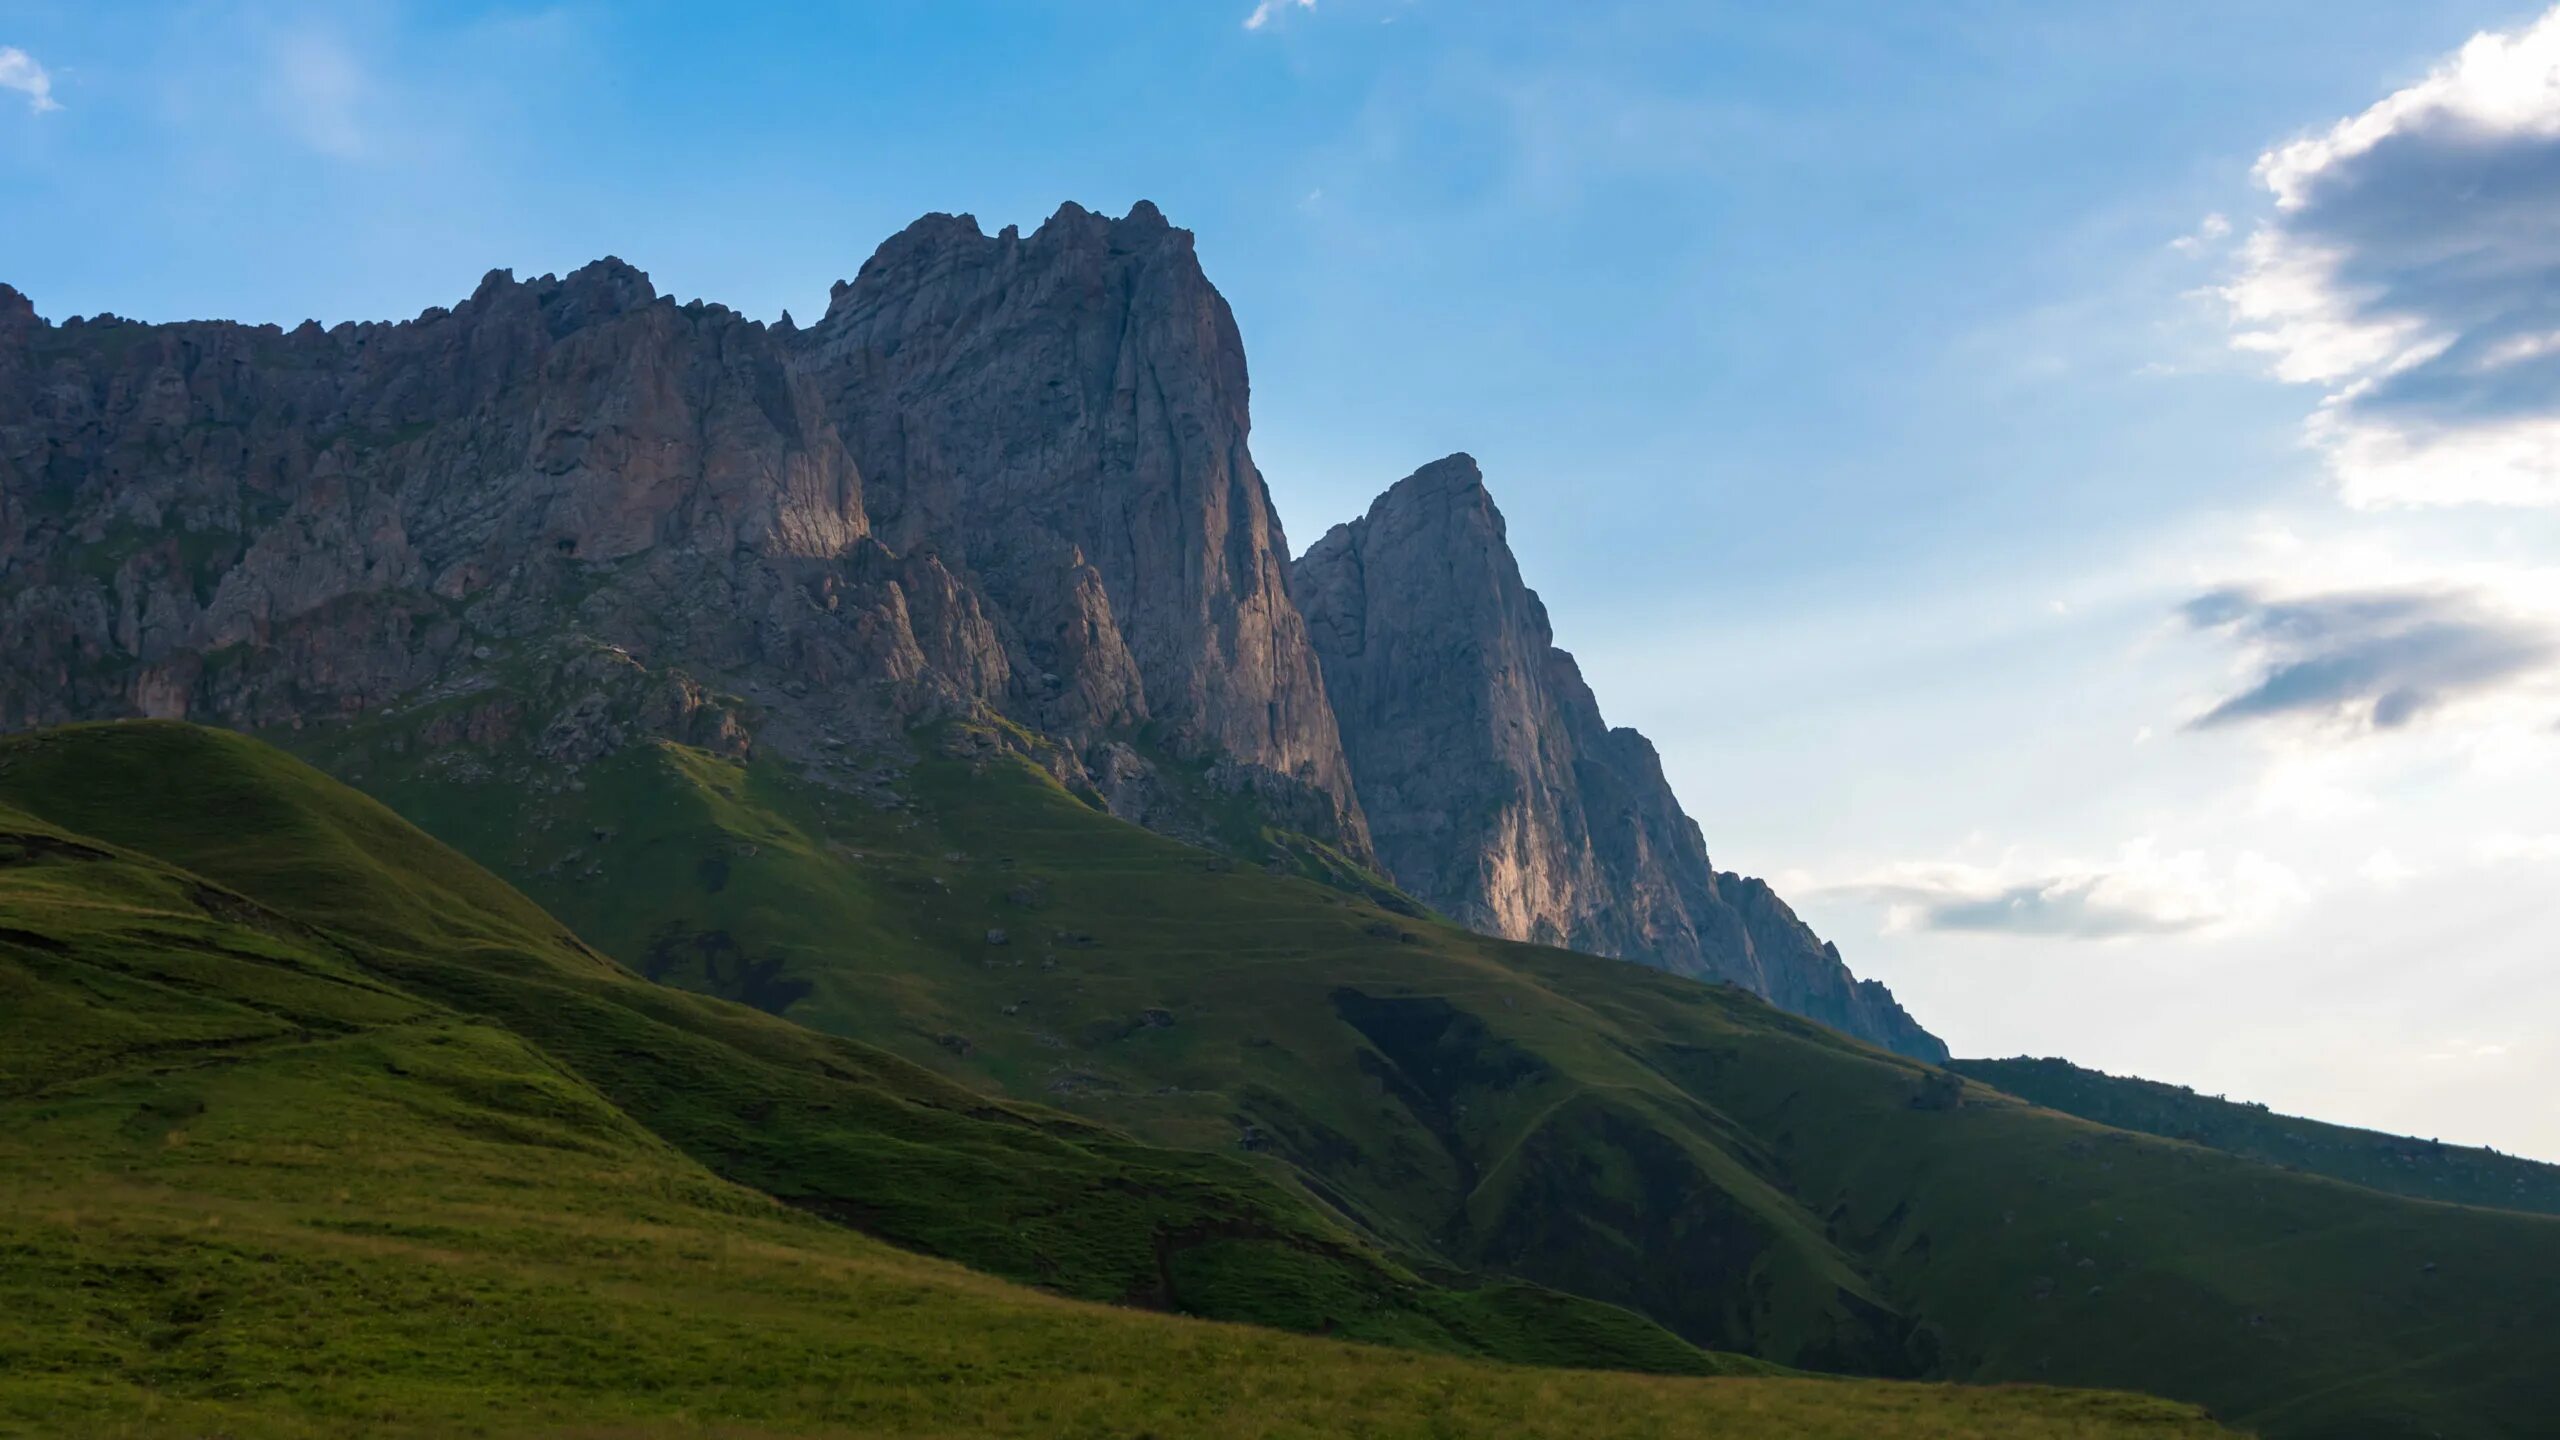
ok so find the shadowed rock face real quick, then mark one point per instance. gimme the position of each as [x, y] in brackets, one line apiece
[262, 527]
[1065, 414]
[1495, 791]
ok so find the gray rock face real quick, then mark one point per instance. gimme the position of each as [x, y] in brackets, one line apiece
[260, 527]
[1064, 417]
[1495, 791]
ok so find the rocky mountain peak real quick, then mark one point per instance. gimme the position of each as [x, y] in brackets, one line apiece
[1443, 504]
[1444, 540]
[596, 291]
[1451, 477]
[1493, 788]
[1065, 416]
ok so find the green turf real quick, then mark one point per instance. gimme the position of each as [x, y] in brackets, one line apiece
[836, 1128]
[1483, 1108]
[2400, 1164]
[308, 1127]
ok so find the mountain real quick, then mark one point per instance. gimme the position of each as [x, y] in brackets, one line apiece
[1003, 476]
[1496, 793]
[310, 1128]
[2399, 1164]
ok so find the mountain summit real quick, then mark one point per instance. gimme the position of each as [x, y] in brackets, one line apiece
[1497, 793]
[1064, 416]
[1003, 477]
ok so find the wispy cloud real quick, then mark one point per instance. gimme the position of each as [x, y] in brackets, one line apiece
[2366, 659]
[2209, 232]
[1266, 9]
[318, 89]
[20, 72]
[2409, 270]
[2139, 892]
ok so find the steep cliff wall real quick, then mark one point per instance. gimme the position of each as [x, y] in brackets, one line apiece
[1064, 415]
[1496, 792]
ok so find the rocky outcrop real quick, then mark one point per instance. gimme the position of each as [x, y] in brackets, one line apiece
[262, 527]
[1064, 416]
[1804, 974]
[1495, 791]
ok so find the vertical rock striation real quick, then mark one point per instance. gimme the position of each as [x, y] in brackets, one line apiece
[1063, 416]
[262, 527]
[1495, 791]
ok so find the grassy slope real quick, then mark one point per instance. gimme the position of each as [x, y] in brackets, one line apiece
[2425, 1169]
[252, 1183]
[1752, 1180]
[833, 1127]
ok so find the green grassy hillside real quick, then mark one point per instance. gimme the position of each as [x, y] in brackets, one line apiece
[2400, 1164]
[835, 1128]
[308, 1127]
[1752, 1181]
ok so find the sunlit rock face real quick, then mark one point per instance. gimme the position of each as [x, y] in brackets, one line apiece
[1495, 791]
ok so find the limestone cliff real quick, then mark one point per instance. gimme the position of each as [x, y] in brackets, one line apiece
[1495, 791]
[265, 527]
[1064, 417]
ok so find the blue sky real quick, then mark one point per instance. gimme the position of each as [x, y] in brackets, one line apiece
[1918, 418]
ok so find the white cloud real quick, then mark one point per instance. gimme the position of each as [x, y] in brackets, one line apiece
[2410, 269]
[2437, 631]
[1265, 9]
[2141, 891]
[2387, 870]
[2368, 659]
[2460, 1051]
[20, 72]
[2212, 229]
[2514, 849]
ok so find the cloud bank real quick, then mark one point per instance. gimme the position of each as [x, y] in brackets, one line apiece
[2369, 659]
[2140, 892]
[2412, 269]
[20, 72]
